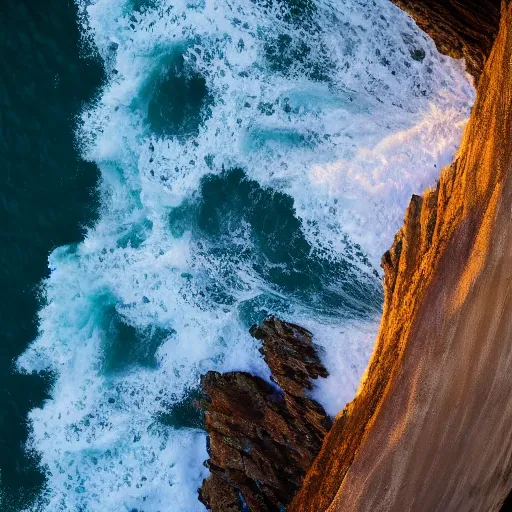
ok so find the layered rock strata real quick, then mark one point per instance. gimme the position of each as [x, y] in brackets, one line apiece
[263, 437]
[430, 428]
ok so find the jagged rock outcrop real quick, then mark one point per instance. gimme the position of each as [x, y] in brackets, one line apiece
[263, 438]
[460, 28]
[430, 428]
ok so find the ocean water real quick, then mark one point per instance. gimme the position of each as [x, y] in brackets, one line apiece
[47, 198]
[252, 158]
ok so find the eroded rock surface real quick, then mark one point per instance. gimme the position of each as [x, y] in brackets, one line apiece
[264, 437]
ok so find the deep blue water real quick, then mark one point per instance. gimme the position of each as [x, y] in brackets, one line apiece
[47, 198]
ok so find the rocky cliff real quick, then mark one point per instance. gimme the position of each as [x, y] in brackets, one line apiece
[263, 438]
[430, 428]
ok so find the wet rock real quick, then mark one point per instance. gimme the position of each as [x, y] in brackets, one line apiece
[263, 437]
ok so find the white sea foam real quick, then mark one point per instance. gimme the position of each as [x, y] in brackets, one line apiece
[133, 318]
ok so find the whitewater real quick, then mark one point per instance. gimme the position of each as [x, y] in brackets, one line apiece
[256, 158]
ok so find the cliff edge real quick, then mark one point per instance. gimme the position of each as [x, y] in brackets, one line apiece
[430, 428]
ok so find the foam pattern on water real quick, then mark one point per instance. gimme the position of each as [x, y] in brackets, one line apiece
[256, 157]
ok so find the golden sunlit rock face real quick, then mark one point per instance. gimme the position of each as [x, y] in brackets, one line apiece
[431, 426]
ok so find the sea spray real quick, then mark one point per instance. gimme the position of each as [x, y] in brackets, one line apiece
[256, 157]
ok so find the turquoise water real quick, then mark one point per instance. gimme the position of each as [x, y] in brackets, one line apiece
[175, 172]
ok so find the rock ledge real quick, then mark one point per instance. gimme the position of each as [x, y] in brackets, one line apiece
[262, 437]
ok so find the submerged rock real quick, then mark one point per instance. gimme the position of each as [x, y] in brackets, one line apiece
[263, 437]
